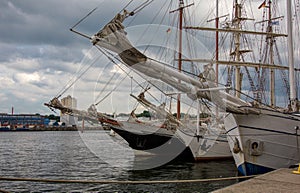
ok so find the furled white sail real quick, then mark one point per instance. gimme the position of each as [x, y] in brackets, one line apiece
[91, 114]
[113, 37]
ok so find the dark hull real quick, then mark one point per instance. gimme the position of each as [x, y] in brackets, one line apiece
[156, 143]
[142, 142]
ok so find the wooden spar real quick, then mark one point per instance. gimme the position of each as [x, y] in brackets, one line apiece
[274, 18]
[235, 30]
[236, 63]
[81, 34]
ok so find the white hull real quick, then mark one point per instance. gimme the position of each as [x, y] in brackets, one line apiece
[211, 145]
[274, 134]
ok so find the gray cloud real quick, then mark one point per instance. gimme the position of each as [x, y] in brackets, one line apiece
[39, 55]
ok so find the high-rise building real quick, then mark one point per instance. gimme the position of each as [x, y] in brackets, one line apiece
[69, 120]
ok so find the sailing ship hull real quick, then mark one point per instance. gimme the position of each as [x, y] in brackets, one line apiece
[154, 140]
[263, 142]
[210, 145]
[180, 145]
[218, 151]
[145, 138]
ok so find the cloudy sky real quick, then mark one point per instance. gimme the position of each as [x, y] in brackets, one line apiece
[36, 57]
[39, 55]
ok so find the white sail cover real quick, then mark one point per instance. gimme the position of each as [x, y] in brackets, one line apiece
[113, 37]
[91, 114]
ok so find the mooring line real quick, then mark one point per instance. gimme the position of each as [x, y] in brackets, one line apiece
[4, 191]
[122, 182]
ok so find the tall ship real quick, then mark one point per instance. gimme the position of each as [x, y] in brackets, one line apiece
[190, 137]
[261, 135]
[264, 137]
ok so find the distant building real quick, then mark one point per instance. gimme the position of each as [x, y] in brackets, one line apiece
[68, 119]
[69, 102]
[16, 121]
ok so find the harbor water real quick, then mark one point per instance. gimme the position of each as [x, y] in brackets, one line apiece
[95, 155]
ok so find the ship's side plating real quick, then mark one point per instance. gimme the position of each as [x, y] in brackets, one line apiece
[264, 141]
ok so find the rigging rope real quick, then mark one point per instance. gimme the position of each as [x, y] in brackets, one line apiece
[110, 79]
[137, 9]
[84, 18]
[127, 73]
[126, 6]
[220, 84]
[65, 88]
[124, 181]
[160, 23]
[109, 93]
[142, 6]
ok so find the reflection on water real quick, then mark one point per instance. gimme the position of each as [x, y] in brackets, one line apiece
[94, 156]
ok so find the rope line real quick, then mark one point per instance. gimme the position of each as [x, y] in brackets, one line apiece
[67, 87]
[122, 182]
[83, 18]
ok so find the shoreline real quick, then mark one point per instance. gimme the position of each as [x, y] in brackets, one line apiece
[53, 128]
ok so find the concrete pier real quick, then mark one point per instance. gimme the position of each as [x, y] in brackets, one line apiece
[281, 180]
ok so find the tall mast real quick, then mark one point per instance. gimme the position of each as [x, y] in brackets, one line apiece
[179, 52]
[217, 42]
[293, 97]
[237, 36]
[217, 51]
[272, 72]
[180, 27]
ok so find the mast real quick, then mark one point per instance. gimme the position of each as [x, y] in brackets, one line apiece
[180, 27]
[272, 72]
[217, 50]
[237, 21]
[217, 42]
[179, 52]
[293, 97]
